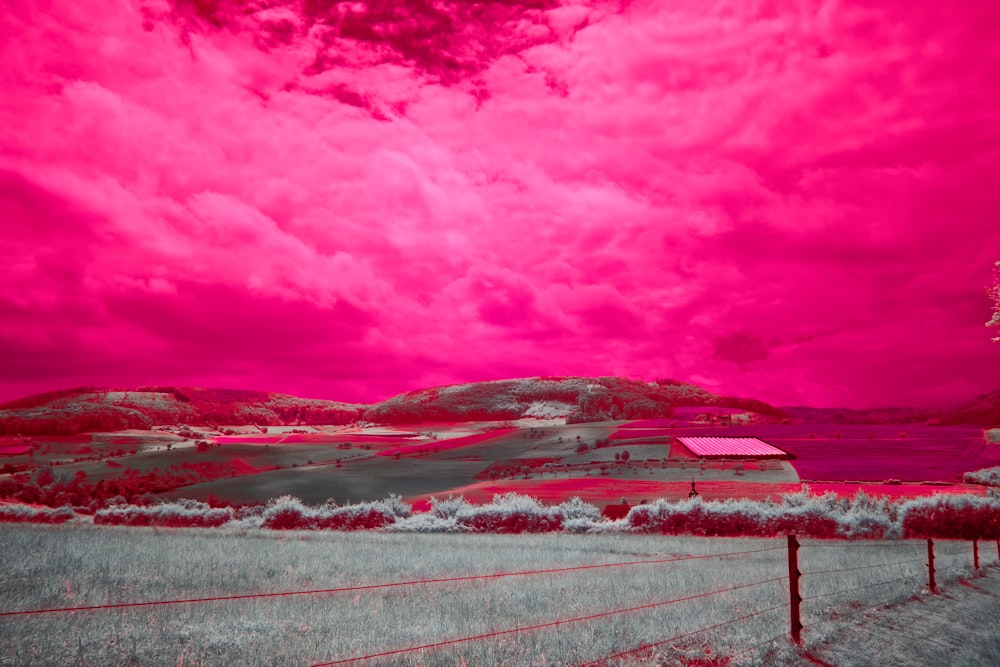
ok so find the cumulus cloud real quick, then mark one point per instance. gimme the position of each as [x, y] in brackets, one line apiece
[786, 200]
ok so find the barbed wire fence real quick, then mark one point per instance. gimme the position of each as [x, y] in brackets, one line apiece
[961, 556]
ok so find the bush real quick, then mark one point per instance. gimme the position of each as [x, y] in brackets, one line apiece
[699, 517]
[28, 514]
[288, 513]
[952, 516]
[826, 516]
[986, 476]
[510, 513]
[181, 514]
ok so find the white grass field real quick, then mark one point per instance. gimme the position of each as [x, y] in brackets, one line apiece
[45, 567]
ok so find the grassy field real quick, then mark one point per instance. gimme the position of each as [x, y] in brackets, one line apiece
[46, 567]
[478, 459]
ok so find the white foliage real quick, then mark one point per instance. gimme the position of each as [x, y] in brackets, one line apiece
[427, 522]
[575, 509]
[986, 476]
[548, 409]
[448, 508]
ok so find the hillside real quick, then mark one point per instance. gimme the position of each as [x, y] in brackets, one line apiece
[89, 409]
[578, 399]
[808, 415]
[983, 410]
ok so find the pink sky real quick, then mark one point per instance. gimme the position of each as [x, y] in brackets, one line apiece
[795, 201]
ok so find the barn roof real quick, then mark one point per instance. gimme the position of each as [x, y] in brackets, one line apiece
[723, 446]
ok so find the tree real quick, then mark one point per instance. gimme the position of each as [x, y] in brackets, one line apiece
[994, 293]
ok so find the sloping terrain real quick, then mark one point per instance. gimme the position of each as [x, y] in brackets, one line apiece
[581, 399]
[983, 410]
[90, 409]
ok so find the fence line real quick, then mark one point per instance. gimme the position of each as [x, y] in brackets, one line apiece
[648, 645]
[550, 624]
[863, 567]
[854, 544]
[370, 587]
[858, 588]
[793, 605]
[795, 601]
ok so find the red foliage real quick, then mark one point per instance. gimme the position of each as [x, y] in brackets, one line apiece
[25, 514]
[709, 520]
[363, 519]
[615, 512]
[164, 516]
[503, 521]
[950, 517]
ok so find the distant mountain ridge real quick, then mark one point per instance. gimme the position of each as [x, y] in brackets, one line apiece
[86, 409]
[577, 399]
[983, 410]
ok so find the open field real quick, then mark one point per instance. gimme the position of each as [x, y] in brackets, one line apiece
[599, 461]
[48, 567]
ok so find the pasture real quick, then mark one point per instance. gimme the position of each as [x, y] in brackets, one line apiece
[601, 461]
[632, 602]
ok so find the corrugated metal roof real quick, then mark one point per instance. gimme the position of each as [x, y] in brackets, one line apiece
[704, 446]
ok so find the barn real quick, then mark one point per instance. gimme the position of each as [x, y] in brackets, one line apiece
[719, 447]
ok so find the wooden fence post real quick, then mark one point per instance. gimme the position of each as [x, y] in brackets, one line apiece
[795, 600]
[975, 554]
[930, 566]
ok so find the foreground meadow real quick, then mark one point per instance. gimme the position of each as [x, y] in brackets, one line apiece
[46, 567]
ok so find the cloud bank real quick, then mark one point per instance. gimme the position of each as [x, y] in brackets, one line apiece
[794, 201]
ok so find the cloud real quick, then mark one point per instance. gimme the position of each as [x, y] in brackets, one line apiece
[741, 348]
[790, 200]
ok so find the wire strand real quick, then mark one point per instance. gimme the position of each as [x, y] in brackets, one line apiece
[849, 544]
[859, 588]
[864, 567]
[756, 646]
[530, 628]
[649, 645]
[369, 587]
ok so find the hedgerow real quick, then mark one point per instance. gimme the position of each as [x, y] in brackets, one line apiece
[182, 514]
[28, 514]
[289, 513]
[806, 514]
[952, 516]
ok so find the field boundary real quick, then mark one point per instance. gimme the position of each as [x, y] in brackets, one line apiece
[969, 557]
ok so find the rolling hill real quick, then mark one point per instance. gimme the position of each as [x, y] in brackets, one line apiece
[577, 399]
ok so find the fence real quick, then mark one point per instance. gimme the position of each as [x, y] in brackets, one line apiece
[798, 576]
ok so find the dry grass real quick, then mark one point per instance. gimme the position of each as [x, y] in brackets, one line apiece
[82, 565]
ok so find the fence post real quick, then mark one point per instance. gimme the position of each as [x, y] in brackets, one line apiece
[795, 599]
[975, 554]
[930, 566]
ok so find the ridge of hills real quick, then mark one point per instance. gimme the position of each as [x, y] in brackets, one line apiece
[577, 399]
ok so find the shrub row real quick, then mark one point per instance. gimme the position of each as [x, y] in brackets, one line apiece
[28, 514]
[288, 513]
[185, 514]
[824, 516]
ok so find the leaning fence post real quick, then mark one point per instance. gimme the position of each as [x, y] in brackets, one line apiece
[975, 554]
[930, 566]
[795, 600]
